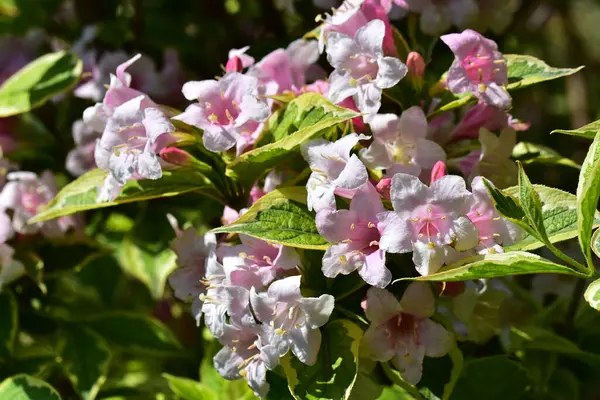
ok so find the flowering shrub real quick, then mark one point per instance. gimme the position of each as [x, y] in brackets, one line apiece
[336, 220]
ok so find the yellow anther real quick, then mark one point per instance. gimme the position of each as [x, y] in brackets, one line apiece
[213, 118]
[371, 225]
[343, 259]
[431, 245]
[353, 226]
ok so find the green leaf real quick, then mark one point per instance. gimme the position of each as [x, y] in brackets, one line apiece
[86, 358]
[588, 131]
[531, 205]
[280, 217]
[38, 82]
[494, 266]
[135, 332]
[461, 100]
[525, 71]
[592, 294]
[25, 387]
[588, 193]
[188, 389]
[559, 211]
[34, 267]
[531, 153]
[80, 195]
[336, 369]
[10, 323]
[305, 118]
[492, 378]
[596, 243]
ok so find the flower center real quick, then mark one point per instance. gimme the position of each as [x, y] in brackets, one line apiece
[401, 153]
[225, 112]
[362, 68]
[430, 224]
[479, 68]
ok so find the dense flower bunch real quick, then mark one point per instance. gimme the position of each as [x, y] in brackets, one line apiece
[374, 172]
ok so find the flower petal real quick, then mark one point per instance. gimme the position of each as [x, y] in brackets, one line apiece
[397, 233]
[381, 306]
[306, 344]
[418, 300]
[317, 310]
[436, 339]
[391, 71]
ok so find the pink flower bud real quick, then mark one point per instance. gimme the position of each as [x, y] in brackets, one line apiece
[415, 64]
[438, 171]
[174, 156]
[383, 188]
[234, 64]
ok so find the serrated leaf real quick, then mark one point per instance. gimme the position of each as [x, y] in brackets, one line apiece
[305, 118]
[80, 195]
[588, 193]
[494, 266]
[38, 82]
[25, 387]
[135, 332]
[280, 217]
[336, 369]
[531, 205]
[496, 378]
[525, 71]
[10, 323]
[588, 131]
[559, 211]
[532, 153]
[188, 389]
[592, 294]
[86, 359]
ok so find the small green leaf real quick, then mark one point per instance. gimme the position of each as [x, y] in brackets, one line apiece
[38, 82]
[25, 387]
[461, 101]
[135, 332]
[588, 193]
[531, 153]
[336, 369]
[588, 131]
[188, 389]
[280, 217]
[80, 195]
[525, 71]
[592, 294]
[492, 378]
[494, 266]
[86, 358]
[596, 243]
[305, 118]
[531, 205]
[10, 323]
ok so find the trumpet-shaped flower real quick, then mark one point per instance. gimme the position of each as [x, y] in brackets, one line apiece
[256, 263]
[361, 69]
[292, 320]
[478, 68]
[403, 331]
[401, 142]
[333, 169]
[494, 231]
[430, 221]
[355, 237]
[227, 109]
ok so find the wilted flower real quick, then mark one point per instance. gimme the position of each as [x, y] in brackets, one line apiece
[478, 68]
[438, 15]
[430, 221]
[227, 109]
[403, 331]
[293, 320]
[355, 237]
[361, 70]
[333, 170]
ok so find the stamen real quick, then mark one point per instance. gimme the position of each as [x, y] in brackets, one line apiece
[374, 243]
[481, 88]
[228, 114]
[415, 219]
[353, 226]
[343, 259]
[431, 245]
[207, 104]
[371, 225]
[501, 61]
[347, 241]
[213, 118]
[243, 255]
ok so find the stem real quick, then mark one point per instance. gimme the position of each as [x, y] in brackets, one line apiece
[457, 365]
[574, 302]
[580, 267]
[351, 314]
[397, 380]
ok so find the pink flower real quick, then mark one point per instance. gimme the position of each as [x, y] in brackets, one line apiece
[478, 68]
[355, 237]
[292, 320]
[494, 231]
[438, 15]
[430, 221]
[240, 54]
[400, 144]
[361, 69]
[403, 331]
[333, 169]
[438, 171]
[227, 109]
[81, 159]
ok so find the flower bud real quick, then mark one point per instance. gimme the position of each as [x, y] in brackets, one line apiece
[175, 156]
[415, 64]
[383, 188]
[438, 171]
[234, 64]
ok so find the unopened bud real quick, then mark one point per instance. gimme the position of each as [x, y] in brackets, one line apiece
[438, 171]
[234, 64]
[415, 64]
[383, 188]
[175, 156]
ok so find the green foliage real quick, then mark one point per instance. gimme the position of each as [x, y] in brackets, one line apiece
[532, 153]
[592, 294]
[10, 323]
[25, 387]
[38, 82]
[336, 369]
[588, 131]
[524, 71]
